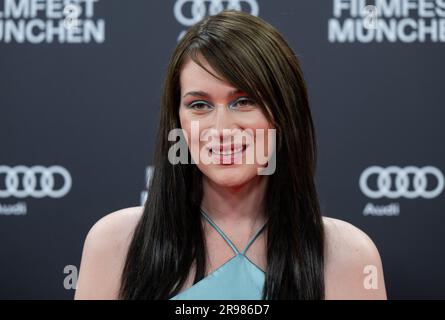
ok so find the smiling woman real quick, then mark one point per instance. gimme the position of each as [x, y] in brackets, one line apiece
[221, 230]
[236, 125]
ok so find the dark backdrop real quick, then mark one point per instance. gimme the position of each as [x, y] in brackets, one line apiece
[78, 116]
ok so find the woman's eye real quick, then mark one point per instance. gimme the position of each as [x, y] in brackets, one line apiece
[199, 106]
[243, 103]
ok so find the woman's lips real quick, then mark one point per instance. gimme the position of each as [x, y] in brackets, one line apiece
[227, 154]
[227, 150]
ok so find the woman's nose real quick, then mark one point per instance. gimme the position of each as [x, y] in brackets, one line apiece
[223, 123]
[222, 118]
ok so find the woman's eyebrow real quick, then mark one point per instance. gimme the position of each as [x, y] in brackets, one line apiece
[205, 94]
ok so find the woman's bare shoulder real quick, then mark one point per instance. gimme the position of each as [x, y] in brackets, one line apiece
[353, 267]
[116, 226]
[104, 253]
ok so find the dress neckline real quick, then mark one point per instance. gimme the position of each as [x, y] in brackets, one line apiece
[227, 239]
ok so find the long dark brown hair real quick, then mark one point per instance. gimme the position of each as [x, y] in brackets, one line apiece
[253, 56]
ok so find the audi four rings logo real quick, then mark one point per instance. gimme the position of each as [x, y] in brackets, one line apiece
[198, 9]
[421, 177]
[29, 176]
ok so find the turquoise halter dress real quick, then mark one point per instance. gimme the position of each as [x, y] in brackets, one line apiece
[237, 279]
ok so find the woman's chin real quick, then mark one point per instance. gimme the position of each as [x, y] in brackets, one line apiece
[230, 176]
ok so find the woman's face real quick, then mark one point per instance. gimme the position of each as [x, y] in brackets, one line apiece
[226, 131]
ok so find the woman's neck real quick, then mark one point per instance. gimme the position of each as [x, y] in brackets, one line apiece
[240, 207]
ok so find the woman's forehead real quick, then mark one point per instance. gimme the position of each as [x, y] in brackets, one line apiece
[196, 81]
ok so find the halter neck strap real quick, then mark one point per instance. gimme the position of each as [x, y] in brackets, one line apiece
[227, 239]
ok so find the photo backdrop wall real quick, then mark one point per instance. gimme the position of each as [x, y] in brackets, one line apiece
[80, 84]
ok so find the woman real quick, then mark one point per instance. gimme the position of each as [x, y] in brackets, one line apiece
[226, 230]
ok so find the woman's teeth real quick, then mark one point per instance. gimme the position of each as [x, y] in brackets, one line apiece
[227, 152]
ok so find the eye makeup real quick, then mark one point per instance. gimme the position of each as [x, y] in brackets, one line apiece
[231, 105]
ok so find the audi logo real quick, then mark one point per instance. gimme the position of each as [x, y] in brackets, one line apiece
[198, 9]
[29, 177]
[420, 177]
